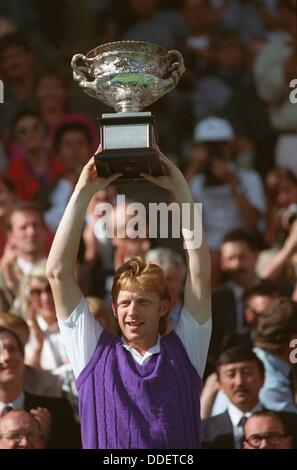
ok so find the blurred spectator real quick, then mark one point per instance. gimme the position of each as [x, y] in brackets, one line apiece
[238, 261]
[20, 429]
[249, 17]
[255, 300]
[35, 380]
[275, 67]
[7, 200]
[280, 264]
[266, 430]
[275, 330]
[35, 168]
[26, 244]
[23, 14]
[241, 376]
[212, 91]
[51, 96]
[231, 197]
[12, 394]
[16, 71]
[248, 115]
[44, 348]
[281, 190]
[197, 16]
[165, 28]
[174, 268]
[73, 147]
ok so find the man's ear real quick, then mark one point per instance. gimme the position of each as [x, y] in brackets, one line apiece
[114, 310]
[164, 308]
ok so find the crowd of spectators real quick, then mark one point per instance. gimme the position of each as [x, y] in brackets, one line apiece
[231, 128]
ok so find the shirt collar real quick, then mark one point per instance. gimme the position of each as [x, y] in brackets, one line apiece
[17, 404]
[153, 350]
[236, 414]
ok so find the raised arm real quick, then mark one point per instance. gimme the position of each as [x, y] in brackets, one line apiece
[61, 262]
[197, 297]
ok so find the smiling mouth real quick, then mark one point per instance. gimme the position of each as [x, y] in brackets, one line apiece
[134, 324]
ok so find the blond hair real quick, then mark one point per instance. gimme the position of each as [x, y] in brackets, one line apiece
[140, 274]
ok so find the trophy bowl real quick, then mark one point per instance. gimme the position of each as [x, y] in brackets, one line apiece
[128, 75]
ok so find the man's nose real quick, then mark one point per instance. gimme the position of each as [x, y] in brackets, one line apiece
[238, 379]
[24, 443]
[5, 355]
[30, 230]
[264, 444]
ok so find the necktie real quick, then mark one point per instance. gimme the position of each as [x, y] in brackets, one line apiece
[240, 432]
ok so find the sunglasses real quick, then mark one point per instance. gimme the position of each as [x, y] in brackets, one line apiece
[37, 291]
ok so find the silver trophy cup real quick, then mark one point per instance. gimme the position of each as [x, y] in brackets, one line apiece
[128, 75]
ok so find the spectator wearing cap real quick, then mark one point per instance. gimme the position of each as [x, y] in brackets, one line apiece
[231, 197]
[275, 330]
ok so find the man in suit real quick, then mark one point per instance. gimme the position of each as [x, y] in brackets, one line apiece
[267, 430]
[241, 376]
[63, 430]
[19, 429]
[238, 261]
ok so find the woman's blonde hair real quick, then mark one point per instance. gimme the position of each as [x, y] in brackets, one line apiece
[140, 274]
[39, 271]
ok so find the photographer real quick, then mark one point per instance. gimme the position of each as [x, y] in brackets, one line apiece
[231, 197]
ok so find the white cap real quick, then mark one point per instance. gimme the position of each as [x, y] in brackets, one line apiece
[213, 129]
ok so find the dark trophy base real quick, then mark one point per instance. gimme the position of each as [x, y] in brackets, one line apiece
[129, 146]
[129, 162]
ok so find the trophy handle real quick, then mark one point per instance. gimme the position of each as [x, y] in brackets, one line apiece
[177, 68]
[81, 73]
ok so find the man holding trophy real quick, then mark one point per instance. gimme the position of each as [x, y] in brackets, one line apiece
[140, 390]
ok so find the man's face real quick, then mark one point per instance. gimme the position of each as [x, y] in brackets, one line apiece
[74, 151]
[138, 313]
[16, 63]
[11, 360]
[51, 90]
[27, 233]
[241, 382]
[258, 427]
[20, 431]
[29, 131]
[238, 261]
[257, 305]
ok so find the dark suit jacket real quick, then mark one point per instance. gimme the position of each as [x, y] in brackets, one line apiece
[217, 432]
[223, 323]
[64, 430]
